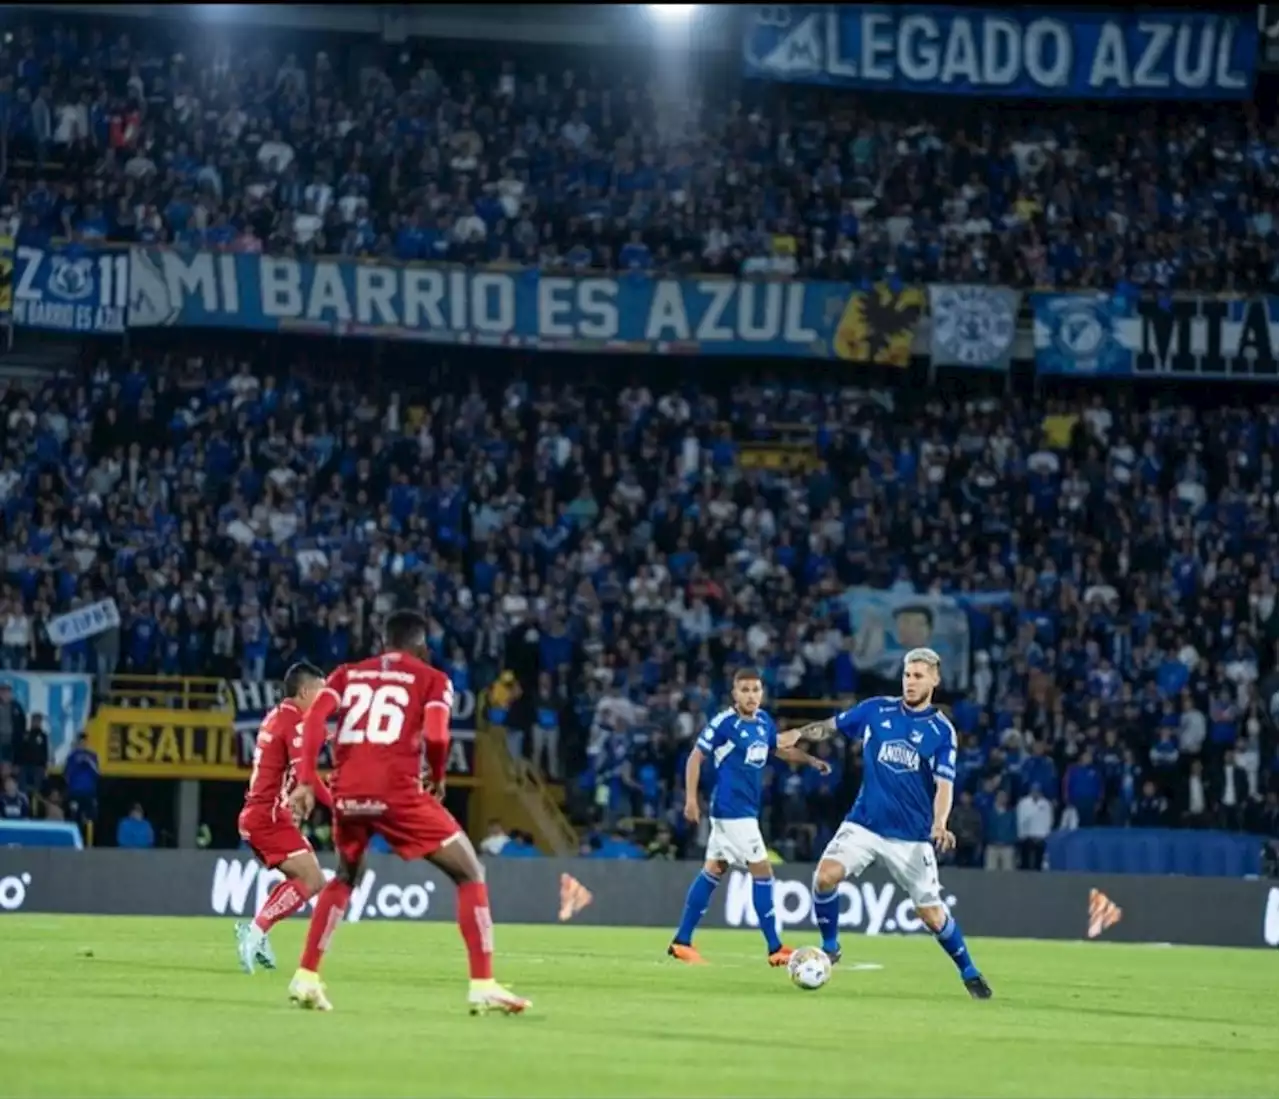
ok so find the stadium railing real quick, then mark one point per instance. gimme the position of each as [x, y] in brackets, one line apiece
[166, 692]
[515, 793]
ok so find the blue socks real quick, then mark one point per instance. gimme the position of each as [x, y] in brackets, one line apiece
[699, 897]
[762, 901]
[826, 907]
[695, 904]
[951, 939]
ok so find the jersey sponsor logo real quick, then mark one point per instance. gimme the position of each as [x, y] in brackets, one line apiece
[757, 754]
[240, 887]
[899, 757]
[873, 909]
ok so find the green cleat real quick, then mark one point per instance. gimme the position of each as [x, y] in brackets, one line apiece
[265, 956]
[246, 946]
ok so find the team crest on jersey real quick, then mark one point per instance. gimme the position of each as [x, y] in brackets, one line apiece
[757, 754]
[899, 757]
[916, 738]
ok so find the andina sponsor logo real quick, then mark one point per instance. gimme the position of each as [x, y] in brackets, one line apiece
[240, 887]
[864, 906]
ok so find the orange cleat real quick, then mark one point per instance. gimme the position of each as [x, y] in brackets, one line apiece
[781, 956]
[684, 953]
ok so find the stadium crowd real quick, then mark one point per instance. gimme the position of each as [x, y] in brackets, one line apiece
[604, 558]
[184, 133]
[599, 556]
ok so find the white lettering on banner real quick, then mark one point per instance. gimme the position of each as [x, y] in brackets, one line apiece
[862, 905]
[13, 891]
[779, 314]
[594, 299]
[994, 51]
[217, 288]
[1271, 919]
[234, 880]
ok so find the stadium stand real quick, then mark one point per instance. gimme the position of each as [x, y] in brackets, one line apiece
[1098, 566]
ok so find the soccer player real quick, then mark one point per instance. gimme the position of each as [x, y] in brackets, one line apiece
[739, 741]
[266, 822]
[909, 761]
[385, 705]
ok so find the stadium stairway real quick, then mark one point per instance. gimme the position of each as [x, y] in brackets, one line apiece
[512, 791]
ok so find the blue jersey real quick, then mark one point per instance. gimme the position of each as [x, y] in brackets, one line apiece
[904, 753]
[741, 748]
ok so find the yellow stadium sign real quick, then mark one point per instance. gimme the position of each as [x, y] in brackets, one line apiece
[137, 743]
[204, 744]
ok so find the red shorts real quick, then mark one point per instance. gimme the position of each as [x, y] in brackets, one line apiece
[414, 825]
[271, 840]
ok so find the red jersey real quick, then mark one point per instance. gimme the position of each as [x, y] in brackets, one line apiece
[382, 710]
[275, 758]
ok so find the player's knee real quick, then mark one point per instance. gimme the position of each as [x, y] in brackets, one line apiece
[312, 879]
[933, 916]
[828, 876]
[715, 867]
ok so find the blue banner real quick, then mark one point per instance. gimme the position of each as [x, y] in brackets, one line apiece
[70, 288]
[887, 624]
[524, 308]
[1182, 337]
[1026, 52]
[64, 699]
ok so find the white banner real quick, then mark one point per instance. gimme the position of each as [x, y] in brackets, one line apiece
[83, 622]
[64, 698]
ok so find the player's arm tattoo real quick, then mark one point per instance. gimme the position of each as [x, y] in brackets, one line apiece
[817, 730]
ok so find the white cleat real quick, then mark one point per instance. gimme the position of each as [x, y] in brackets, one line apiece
[307, 991]
[486, 996]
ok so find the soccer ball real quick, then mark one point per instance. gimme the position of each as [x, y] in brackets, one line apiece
[810, 968]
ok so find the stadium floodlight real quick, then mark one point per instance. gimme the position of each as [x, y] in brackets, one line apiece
[671, 13]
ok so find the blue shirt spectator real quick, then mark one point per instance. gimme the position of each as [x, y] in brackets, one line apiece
[135, 831]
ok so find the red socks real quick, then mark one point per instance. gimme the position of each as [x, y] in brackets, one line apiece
[474, 922]
[286, 898]
[331, 906]
[476, 926]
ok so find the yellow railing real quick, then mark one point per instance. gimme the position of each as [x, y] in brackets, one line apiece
[167, 692]
[505, 775]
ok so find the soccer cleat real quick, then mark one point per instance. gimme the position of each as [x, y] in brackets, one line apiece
[834, 956]
[978, 987]
[307, 991]
[486, 996]
[781, 956]
[265, 956]
[683, 952]
[246, 947]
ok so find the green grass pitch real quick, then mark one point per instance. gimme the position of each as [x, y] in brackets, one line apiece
[99, 1006]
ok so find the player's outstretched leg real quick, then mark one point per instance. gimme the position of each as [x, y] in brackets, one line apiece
[701, 890]
[306, 989]
[303, 880]
[766, 916]
[826, 905]
[458, 859]
[951, 939]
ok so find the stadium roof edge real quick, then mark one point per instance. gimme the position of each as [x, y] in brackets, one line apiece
[714, 28]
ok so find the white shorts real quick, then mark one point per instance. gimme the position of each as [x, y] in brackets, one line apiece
[737, 842]
[911, 864]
